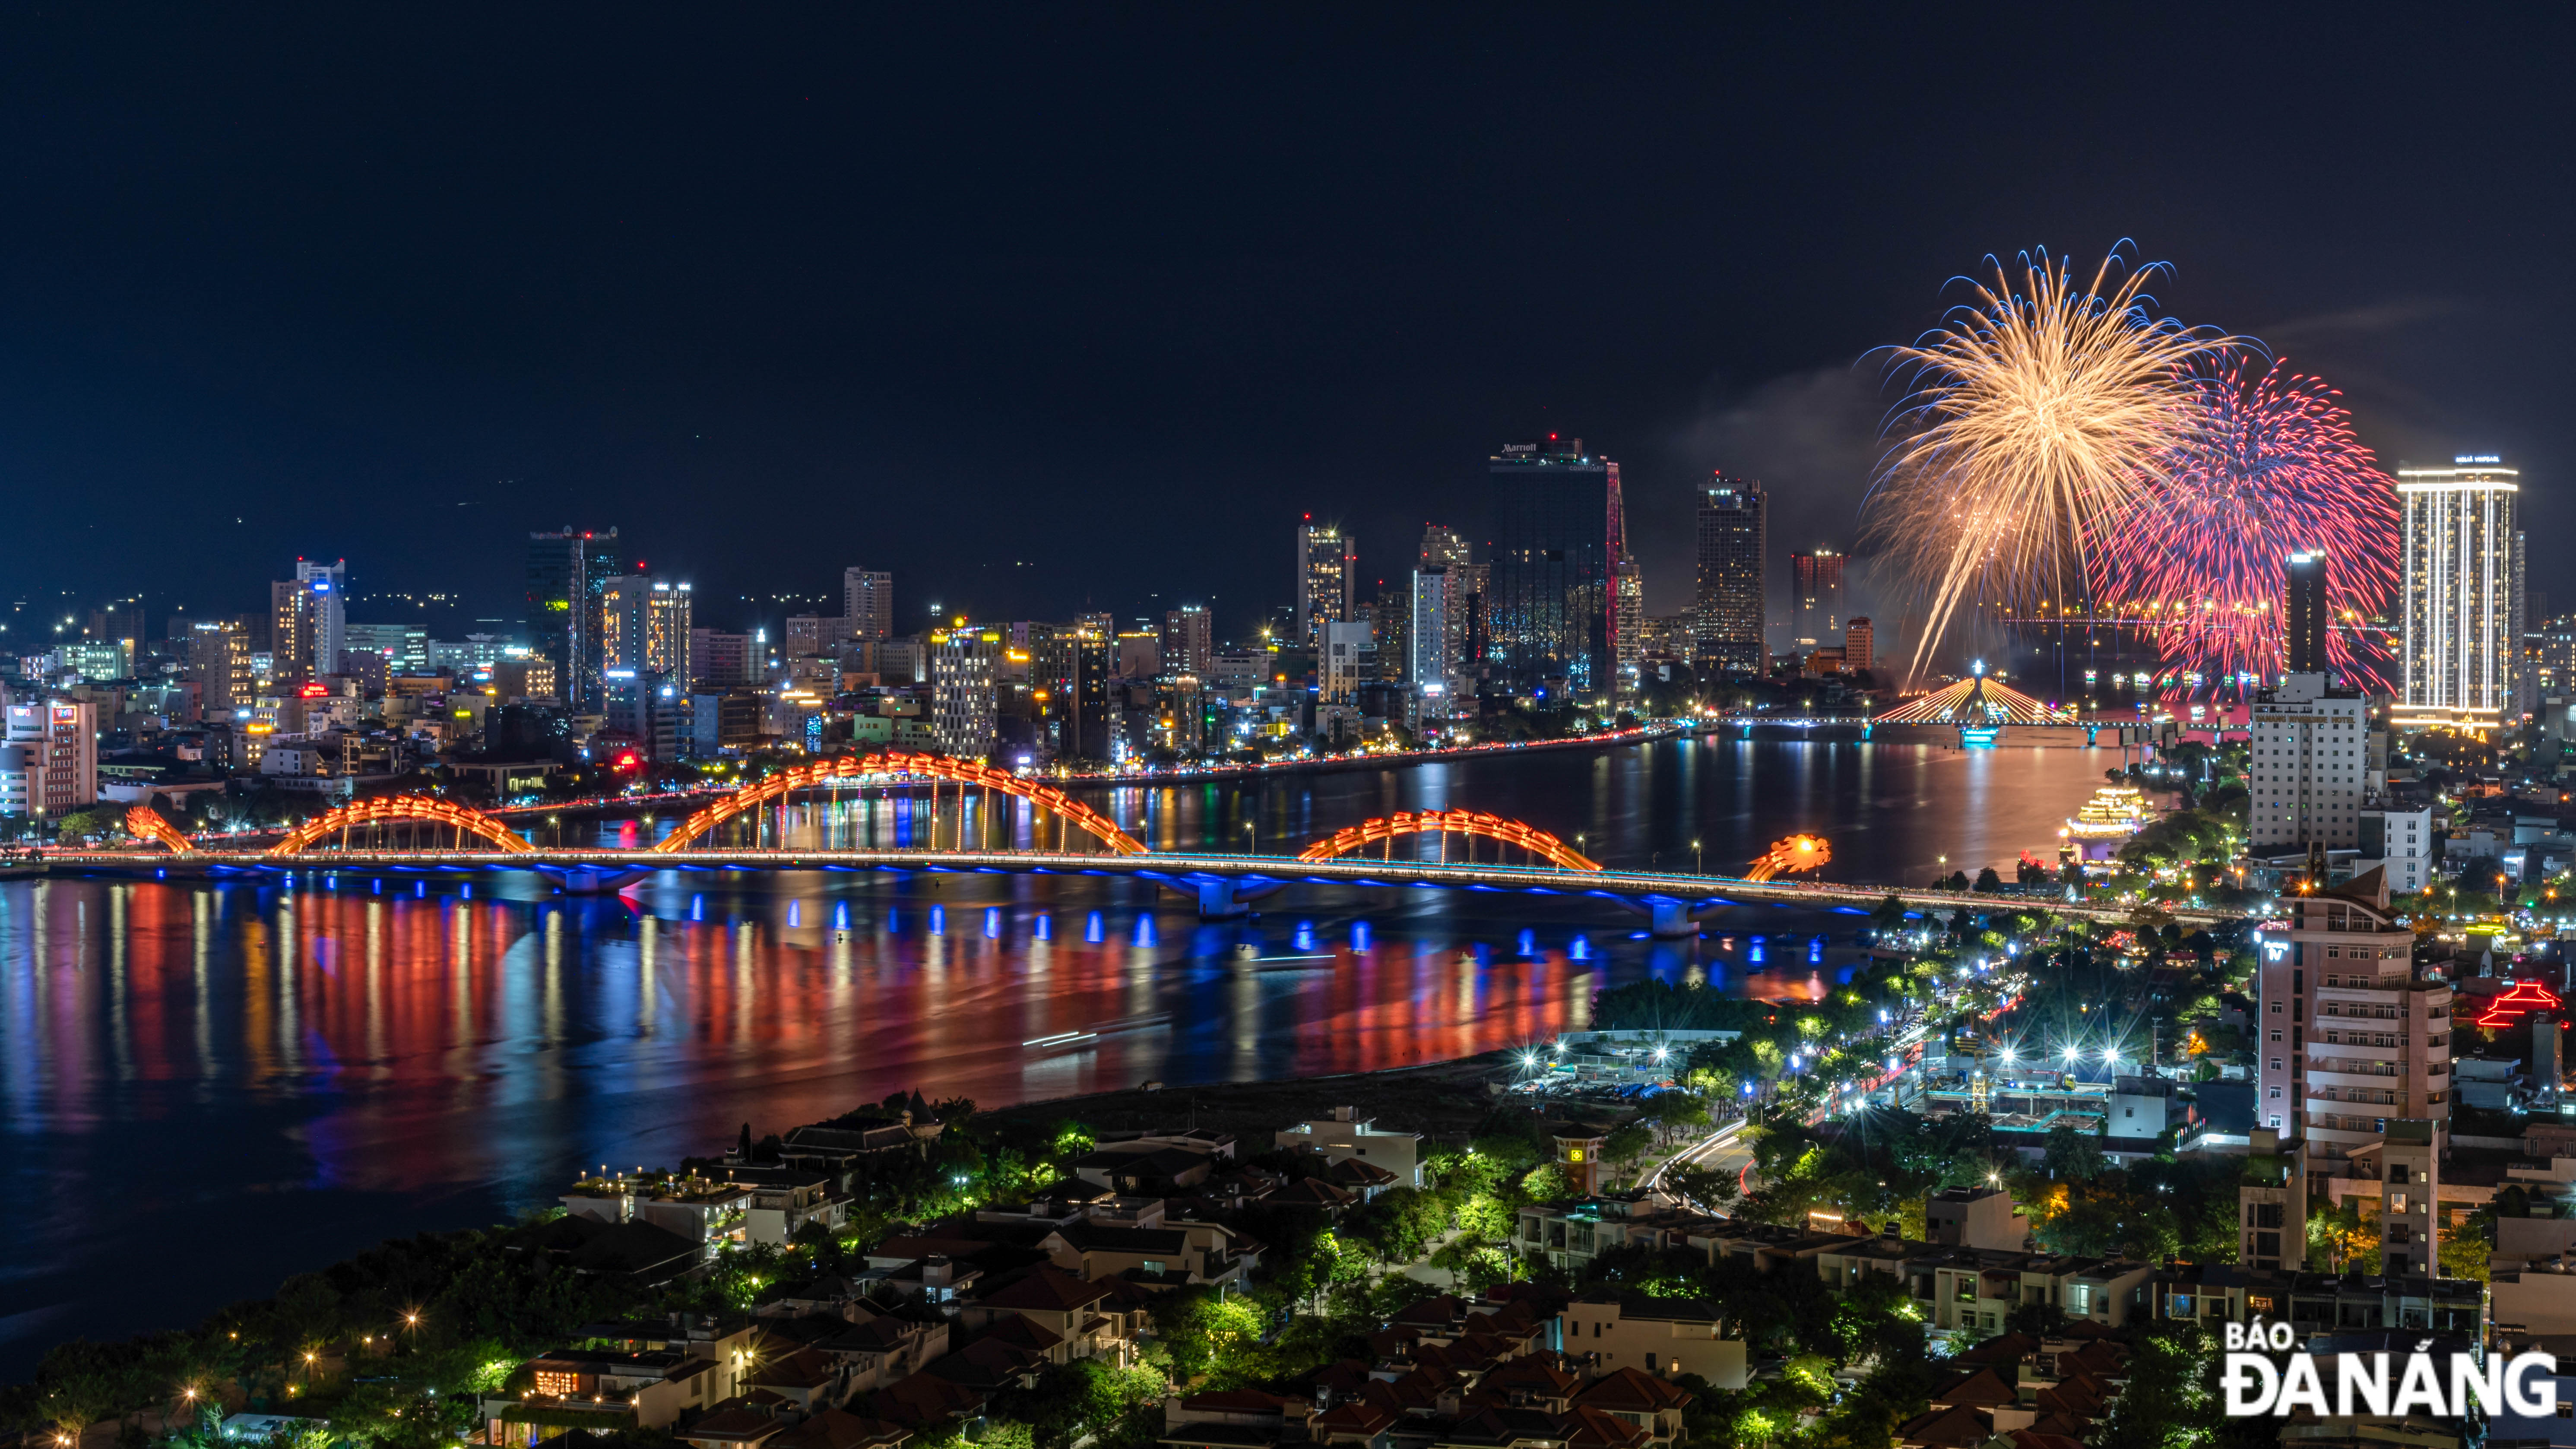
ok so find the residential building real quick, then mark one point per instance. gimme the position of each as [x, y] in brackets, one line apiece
[1976, 1217]
[787, 1200]
[1860, 646]
[2410, 1210]
[962, 664]
[1664, 1337]
[1816, 590]
[2310, 752]
[1188, 640]
[1733, 538]
[2351, 1037]
[1328, 565]
[2459, 593]
[219, 665]
[1349, 659]
[1549, 610]
[2399, 843]
[49, 758]
[867, 601]
[1347, 1134]
[1976, 1288]
[2272, 1202]
[698, 1210]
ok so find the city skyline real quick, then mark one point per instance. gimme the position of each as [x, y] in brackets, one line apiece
[189, 381]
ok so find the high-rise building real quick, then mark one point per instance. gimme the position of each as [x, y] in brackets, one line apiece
[645, 707]
[2310, 756]
[1348, 660]
[1189, 640]
[1628, 622]
[1069, 672]
[2352, 1040]
[2456, 593]
[567, 583]
[1327, 574]
[646, 626]
[1446, 557]
[1733, 536]
[962, 661]
[719, 661]
[1435, 642]
[404, 647]
[219, 662]
[1390, 619]
[1817, 581]
[1549, 611]
[1860, 645]
[867, 601]
[2303, 616]
[308, 621]
[55, 749]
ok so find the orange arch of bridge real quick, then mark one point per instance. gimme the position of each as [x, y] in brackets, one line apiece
[1448, 822]
[401, 807]
[900, 762]
[145, 823]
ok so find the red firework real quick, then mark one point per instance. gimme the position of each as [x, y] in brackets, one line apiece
[2199, 561]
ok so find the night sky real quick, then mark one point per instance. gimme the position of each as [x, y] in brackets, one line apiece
[1089, 310]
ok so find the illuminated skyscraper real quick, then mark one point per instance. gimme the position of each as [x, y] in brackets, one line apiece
[1816, 581]
[1549, 613]
[1733, 534]
[645, 625]
[2459, 593]
[1188, 640]
[567, 583]
[308, 621]
[1628, 621]
[1327, 573]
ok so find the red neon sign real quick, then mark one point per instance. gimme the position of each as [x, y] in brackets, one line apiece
[2525, 997]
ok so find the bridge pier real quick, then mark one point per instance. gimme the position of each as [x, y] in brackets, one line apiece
[1671, 919]
[590, 880]
[1217, 901]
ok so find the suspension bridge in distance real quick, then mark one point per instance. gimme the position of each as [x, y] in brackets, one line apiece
[963, 817]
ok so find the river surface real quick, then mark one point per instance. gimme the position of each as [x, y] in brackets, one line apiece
[209, 1087]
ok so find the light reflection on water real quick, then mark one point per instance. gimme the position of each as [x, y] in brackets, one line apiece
[208, 1087]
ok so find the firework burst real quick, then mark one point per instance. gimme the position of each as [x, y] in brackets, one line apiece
[2272, 469]
[2033, 414]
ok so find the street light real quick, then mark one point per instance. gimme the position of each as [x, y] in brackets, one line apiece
[1697, 868]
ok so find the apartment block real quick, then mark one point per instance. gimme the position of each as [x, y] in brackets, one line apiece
[2352, 1038]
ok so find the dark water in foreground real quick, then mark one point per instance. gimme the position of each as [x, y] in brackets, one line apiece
[204, 1088]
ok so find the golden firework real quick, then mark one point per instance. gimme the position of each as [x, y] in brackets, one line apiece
[2032, 414]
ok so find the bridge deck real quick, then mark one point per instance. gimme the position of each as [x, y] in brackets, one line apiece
[1176, 868]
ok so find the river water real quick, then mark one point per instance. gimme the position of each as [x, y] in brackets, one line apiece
[208, 1087]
